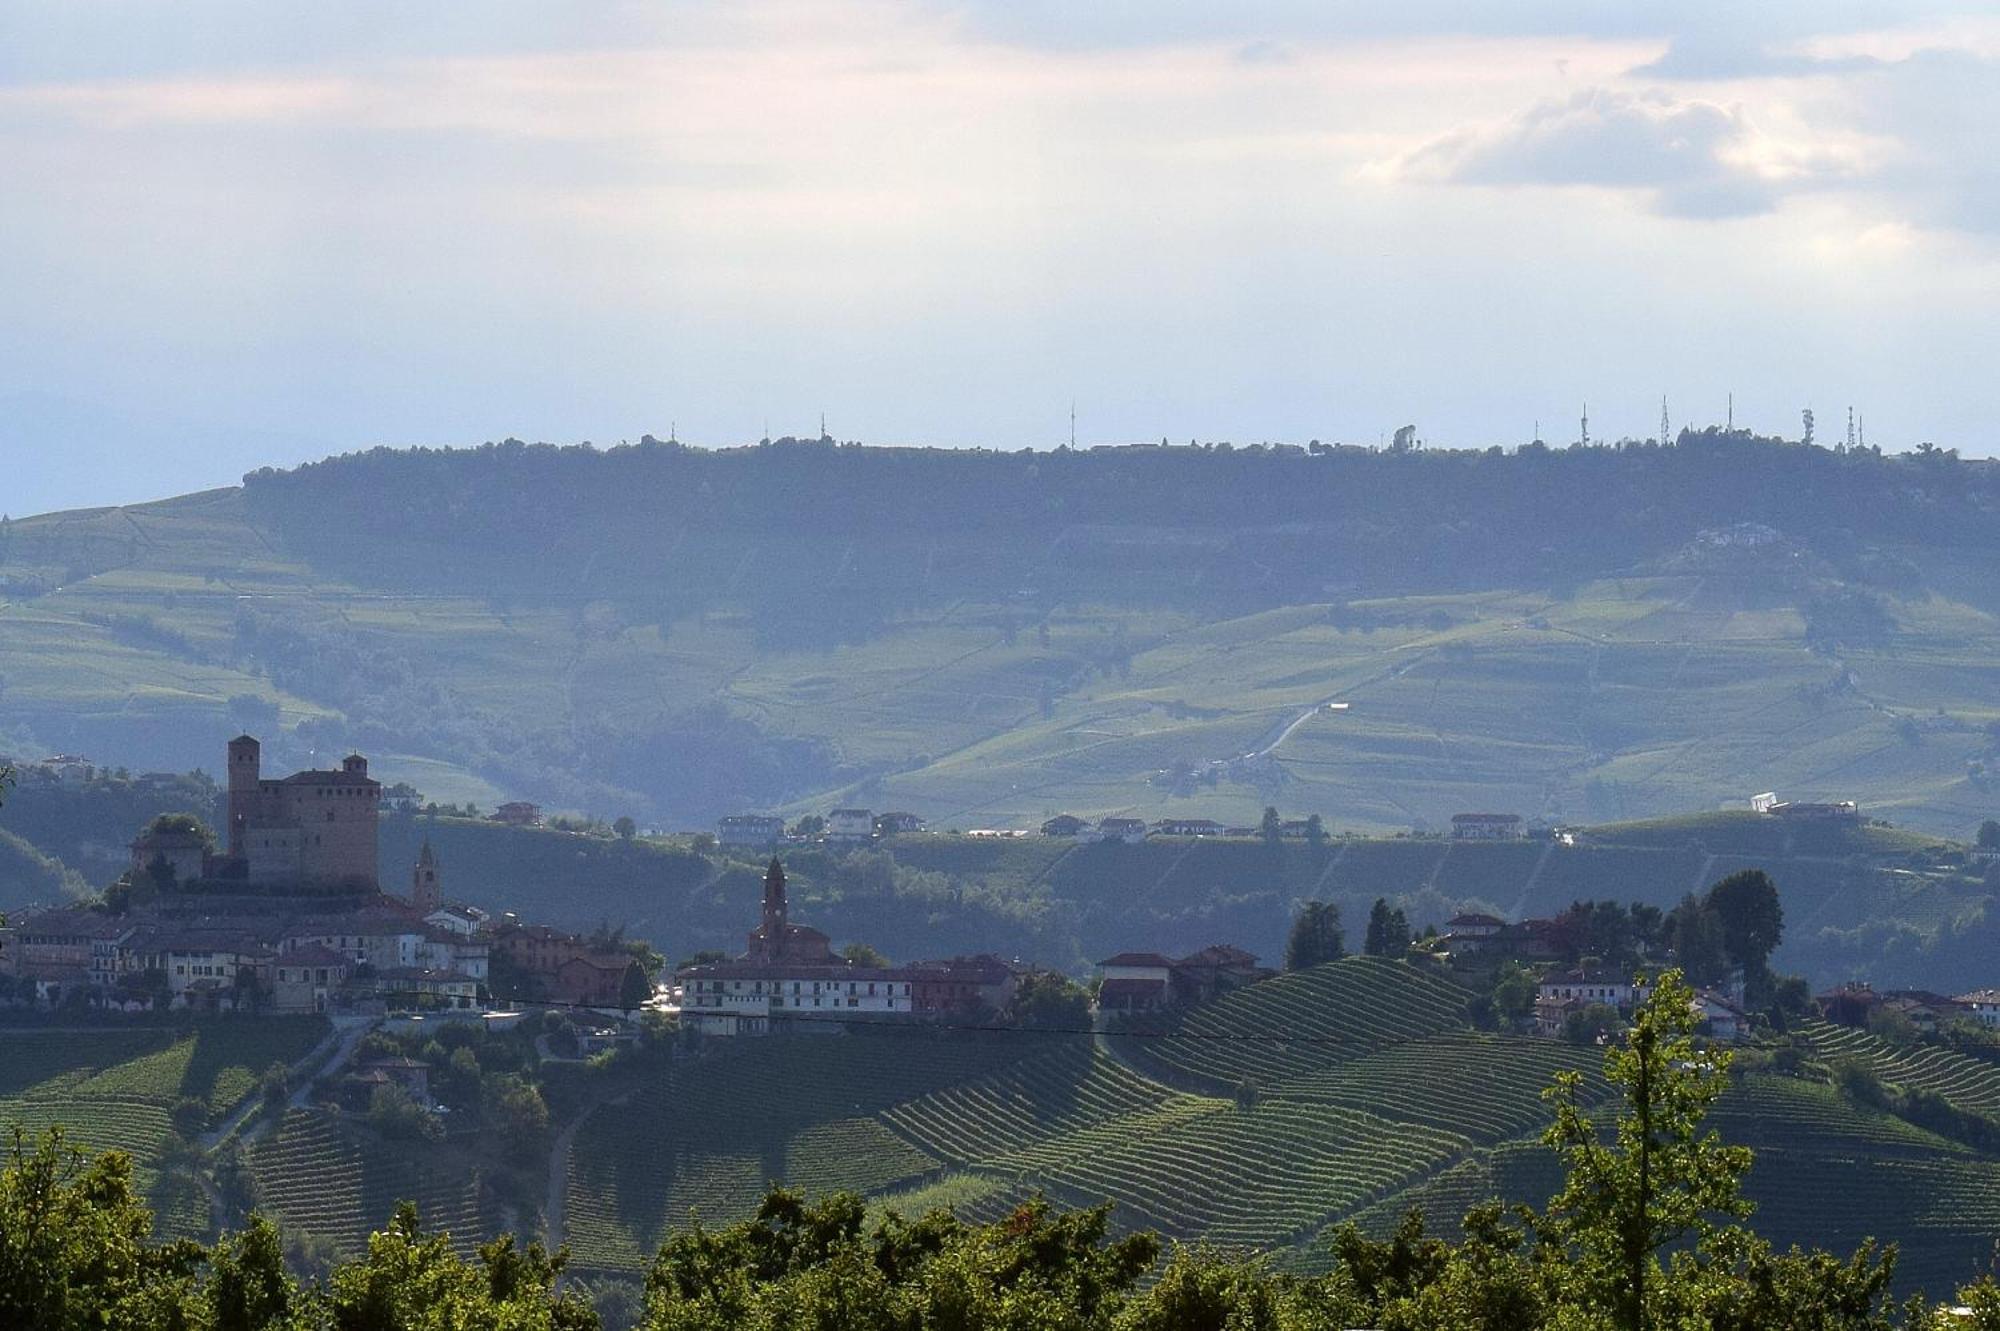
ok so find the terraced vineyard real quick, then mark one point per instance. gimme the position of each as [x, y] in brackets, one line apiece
[115, 1089]
[1966, 1082]
[1765, 1112]
[711, 1136]
[1302, 1023]
[317, 1179]
[1010, 1113]
[1368, 1096]
[1483, 1087]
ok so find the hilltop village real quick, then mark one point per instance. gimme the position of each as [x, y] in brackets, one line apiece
[290, 915]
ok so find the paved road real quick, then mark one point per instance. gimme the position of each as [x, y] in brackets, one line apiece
[326, 1056]
[555, 1218]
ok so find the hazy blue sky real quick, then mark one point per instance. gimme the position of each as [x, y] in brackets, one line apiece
[237, 234]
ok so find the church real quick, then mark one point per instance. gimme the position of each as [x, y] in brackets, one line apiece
[789, 973]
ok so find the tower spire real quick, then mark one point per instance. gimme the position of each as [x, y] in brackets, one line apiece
[1665, 426]
[776, 910]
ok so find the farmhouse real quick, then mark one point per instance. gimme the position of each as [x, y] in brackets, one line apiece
[850, 825]
[1064, 825]
[1187, 827]
[1983, 1005]
[1487, 826]
[963, 985]
[518, 813]
[789, 973]
[1121, 829]
[751, 830]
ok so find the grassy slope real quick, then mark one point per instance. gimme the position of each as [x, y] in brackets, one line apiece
[1633, 697]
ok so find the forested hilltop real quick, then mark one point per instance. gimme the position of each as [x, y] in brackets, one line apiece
[986, 639]
[850, 535]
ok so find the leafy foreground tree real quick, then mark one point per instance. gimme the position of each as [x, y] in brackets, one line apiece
[1645, 1235]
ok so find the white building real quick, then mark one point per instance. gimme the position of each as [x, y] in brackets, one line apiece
[741, 997]
[1984, 1006]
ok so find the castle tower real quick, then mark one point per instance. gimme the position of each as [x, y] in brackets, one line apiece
[775, 910]
[426, 892]
[245, 771]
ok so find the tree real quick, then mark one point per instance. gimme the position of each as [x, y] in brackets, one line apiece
[1315, 829]
[1316, 936]
[634, 989]
[1659, 1180]
[1272, 827]
[811, 825]
[860, 954]
[1388, 931]
[1989, 835]
[1752, 919]
[1694, 935]
[1048, 1001]
[625, 828]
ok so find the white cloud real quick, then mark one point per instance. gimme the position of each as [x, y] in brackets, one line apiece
[1691, 157]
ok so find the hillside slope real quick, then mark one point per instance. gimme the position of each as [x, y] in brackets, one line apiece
[987, 639]
[1372, 1099]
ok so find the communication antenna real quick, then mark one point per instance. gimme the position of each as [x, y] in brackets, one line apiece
[1731, 417]
[1586, 425]
[673, 433]
[1663, 422]
[822, 425]
[1072, 423]
[1861, 433]
[1538, 429]
[1850, 429]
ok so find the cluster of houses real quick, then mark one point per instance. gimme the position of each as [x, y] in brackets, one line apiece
[290, 917]
[760, 831]
[1857, 1004]
[790, 973]
[1136, 982]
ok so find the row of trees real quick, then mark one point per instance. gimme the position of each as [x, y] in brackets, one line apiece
[1646, 1233]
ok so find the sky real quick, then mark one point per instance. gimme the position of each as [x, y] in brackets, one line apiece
[245, 234]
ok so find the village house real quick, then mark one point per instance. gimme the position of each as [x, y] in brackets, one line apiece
[964, 986]
[1187, 827]
[850, 825]
[897, 824]
[306, 979]
[1065, 825]
[1203, 976]
[1722, 1017]
[1982, 1005]
[1835, 811]
[518, 813]
[752, 831]
[1132, 830]
[1135, 982]
[1488, 826]
[184, 853]
[789, 973]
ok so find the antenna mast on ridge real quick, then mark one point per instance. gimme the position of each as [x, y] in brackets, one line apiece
[1731, 427]
[1072, 423]
[1664, 426]
[1585, 440]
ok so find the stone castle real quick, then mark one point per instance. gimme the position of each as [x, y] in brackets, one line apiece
[312, 827]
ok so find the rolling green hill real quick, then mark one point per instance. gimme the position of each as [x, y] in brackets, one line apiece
[988, 639]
